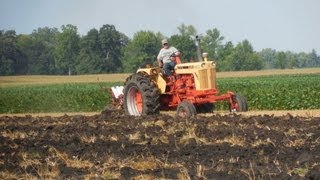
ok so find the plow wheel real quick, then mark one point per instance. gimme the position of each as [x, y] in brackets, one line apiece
[186, 109]
[239, 104]
[141, 96]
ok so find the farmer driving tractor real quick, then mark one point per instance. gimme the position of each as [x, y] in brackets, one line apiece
[166, 57]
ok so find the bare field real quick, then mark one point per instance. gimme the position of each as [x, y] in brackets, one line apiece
[6, 81]
[294, 113]
[111, 145]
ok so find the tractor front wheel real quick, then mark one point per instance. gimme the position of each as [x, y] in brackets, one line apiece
[186, 109]
[239, 104]
[141, 95]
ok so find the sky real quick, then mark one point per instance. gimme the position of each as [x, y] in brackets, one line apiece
[284, 25]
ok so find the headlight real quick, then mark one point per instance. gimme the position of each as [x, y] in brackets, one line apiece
[203, 65]
[204, 55]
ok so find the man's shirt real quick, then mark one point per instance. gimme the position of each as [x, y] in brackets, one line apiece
[165, 54]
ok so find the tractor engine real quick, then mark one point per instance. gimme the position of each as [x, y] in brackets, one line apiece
[181, 84]
[194, 82]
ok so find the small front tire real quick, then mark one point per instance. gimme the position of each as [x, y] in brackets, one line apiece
[240, 104]
[186, 110]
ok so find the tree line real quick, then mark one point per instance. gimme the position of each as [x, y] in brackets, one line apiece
[50, 51]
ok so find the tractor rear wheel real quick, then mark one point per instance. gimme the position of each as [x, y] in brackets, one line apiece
[186, 109]
[141, 95]
[241, 103]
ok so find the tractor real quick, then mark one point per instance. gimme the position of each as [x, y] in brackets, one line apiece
[191, 89]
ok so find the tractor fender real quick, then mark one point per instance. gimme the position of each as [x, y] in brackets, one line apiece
[156, 76]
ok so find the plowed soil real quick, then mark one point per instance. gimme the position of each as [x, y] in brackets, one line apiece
[114, 146]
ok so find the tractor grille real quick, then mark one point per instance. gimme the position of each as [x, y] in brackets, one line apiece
[207, 79]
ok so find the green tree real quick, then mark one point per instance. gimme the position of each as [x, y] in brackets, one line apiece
[241, 53]
[89, 56]
[281, 61]
[224, 59]
[101, 51]
[6, 66]
[244, 58]
[38, 48]
[142, 50]
[212, 42]
[184, 41]
[292, 60]
[254, 62]
[67, 49]
[268, 57]
[184, 44]
[187, 30]
[111, 43]
[302, 59]
[12, 60]
[313, 59]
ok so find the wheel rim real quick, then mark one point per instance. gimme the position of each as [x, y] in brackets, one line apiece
[234, 107]
[183, 113]
[134, 102]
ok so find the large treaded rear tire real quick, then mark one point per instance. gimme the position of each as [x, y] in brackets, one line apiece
[141, 95]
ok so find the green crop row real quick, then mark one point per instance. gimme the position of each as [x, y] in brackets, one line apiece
[281, 92]
[54, 98]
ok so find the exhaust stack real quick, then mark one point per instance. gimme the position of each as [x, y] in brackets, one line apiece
[199, 50]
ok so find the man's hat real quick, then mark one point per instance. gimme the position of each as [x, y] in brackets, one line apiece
[164, 41]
